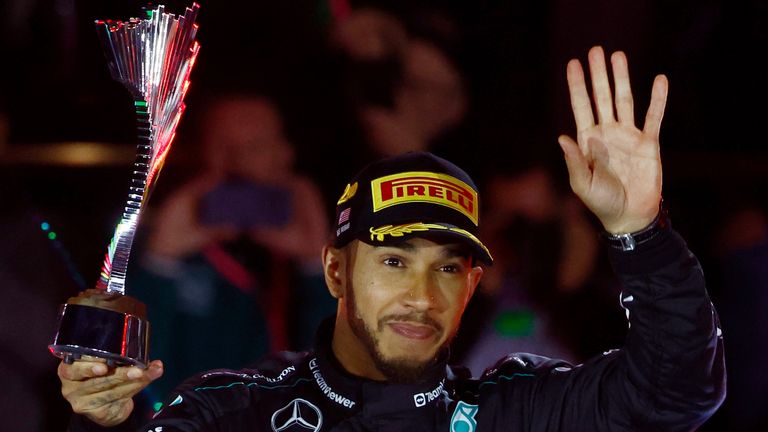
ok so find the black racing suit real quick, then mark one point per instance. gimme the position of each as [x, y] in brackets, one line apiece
[669, 376]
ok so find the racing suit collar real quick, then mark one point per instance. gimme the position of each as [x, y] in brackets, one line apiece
[372, 397]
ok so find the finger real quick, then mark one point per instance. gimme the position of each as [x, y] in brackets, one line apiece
[81, 370]
[601, 87]
[624, 104]
[110, 414]
[579, 172]
[122, 376]
[656, 107]
[582, 107]
[89, 402]
[155, 369]
[95, 401]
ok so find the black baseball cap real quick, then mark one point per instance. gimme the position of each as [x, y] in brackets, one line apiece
[415, 194]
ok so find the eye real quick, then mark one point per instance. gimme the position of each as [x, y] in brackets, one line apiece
[450, 268]
[393, 262]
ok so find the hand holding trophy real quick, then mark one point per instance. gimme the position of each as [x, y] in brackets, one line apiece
[152, 57]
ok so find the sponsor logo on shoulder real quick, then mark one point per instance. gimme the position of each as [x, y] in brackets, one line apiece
[159, 406]
[421, 399]
[285, 373]
[326, 389]
[298, 415]
[463, 419]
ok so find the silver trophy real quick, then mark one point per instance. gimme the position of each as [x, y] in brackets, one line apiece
[152, 57]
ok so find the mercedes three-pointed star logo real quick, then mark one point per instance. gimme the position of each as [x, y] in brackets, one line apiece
[298, 415]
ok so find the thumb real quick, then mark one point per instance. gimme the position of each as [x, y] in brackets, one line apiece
[155, 370]
[579, 173]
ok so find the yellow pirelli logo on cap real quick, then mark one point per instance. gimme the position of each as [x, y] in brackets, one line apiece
[428, 187]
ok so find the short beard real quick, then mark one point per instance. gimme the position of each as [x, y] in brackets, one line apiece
[397, 370]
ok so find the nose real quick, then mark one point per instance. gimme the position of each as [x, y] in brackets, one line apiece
[423, 293]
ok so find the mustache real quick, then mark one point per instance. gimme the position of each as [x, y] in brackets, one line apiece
[413, 317]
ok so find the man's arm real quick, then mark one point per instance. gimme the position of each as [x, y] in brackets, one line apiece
[670, 374]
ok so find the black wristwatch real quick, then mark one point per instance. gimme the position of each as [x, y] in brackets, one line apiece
[629, 241]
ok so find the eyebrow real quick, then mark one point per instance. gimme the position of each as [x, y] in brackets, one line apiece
[404, 245]
[458, 251]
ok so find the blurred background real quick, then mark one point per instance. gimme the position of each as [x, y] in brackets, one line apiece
[339, 83]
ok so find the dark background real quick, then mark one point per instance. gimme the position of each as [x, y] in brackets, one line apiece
[55, 88]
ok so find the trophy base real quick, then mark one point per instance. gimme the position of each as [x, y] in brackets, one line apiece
[109, 326]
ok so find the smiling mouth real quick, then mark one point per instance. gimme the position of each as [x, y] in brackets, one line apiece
[412, 330]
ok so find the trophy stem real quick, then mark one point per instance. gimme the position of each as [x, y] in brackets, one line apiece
[153, 58]
[115, 266]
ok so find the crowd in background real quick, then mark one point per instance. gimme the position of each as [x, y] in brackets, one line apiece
[285, 108]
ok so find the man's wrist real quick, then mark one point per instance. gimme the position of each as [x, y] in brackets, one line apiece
[630, 241]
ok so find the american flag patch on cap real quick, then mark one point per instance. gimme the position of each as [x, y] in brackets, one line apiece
[344, 216]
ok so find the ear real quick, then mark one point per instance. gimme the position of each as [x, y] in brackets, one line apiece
[473, 279]
[334, 270]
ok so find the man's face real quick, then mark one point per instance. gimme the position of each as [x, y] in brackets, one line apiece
[402, 304]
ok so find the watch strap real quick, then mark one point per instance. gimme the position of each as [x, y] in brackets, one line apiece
[629, 241]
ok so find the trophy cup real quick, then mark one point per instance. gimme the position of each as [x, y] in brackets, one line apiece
[152, 57]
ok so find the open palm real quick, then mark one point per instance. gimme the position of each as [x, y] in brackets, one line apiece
[614, 167]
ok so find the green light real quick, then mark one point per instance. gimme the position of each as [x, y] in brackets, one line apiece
[140, 103]
[149, 14]
[52, 235]
[515, 323]
[157, 406]
[45, 226]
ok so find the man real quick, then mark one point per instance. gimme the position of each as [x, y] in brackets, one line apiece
[403, 265]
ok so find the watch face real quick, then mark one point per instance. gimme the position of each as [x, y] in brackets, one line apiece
[629, 241]
[626, 241]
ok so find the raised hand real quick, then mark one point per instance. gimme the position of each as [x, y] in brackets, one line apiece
[613, 166]
[103, 394]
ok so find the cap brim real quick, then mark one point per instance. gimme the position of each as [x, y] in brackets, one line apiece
[391, 234]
